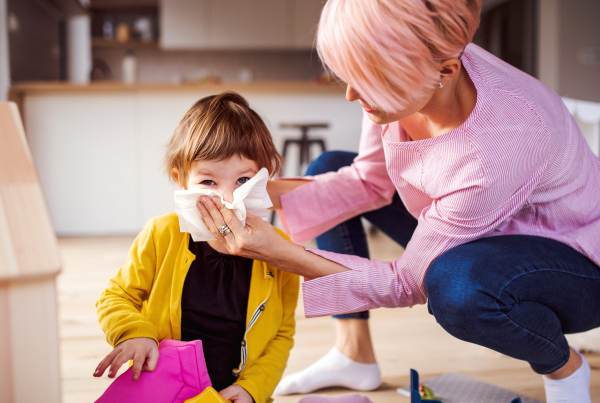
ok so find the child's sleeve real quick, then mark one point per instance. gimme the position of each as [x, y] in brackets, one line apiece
[270, 365]
[119, 307]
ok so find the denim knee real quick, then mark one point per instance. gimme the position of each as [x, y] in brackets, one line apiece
[454, 299]
[330, 161]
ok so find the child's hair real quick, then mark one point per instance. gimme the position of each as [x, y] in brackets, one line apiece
[218, 127]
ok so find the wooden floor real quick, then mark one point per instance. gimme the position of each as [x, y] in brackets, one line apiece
[403, 338]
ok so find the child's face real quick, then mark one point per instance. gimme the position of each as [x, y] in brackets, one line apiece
[223, 176]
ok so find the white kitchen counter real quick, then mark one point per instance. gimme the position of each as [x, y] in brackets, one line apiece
[98, 149]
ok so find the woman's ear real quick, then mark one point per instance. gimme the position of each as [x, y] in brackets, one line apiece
[448, 69]
[178, 179]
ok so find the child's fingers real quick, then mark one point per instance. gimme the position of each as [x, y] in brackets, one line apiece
[138, 361]
[227, 393]
[119, 360]
[105, 363]
[151, 360]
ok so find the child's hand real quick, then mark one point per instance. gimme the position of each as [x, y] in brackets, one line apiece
[236, 394]
[142, 350]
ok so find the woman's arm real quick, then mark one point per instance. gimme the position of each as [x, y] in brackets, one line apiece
[473, 208]
[258, 240]
[277, 187]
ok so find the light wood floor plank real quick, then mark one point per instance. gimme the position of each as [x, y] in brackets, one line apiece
[403, 338]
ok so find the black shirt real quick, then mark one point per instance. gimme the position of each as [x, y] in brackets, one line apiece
[213, 306]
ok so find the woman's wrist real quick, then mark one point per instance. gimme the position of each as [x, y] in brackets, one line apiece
[296, 259]
[277, 187]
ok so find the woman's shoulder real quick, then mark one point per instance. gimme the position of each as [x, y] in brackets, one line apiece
[505, 92]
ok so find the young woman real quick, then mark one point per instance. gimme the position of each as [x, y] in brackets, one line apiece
[504, 188]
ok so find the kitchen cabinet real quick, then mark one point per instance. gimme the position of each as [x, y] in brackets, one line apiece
[185, 24]
[99, 149]
[250, 24]
[238, 24]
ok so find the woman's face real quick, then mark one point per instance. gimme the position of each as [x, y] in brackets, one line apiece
[382, 118]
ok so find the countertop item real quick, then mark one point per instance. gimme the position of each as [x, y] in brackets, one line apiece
[130, 68]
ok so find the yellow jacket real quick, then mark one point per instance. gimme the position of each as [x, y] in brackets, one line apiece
[144, 300]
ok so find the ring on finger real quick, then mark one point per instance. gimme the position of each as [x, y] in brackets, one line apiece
[224, 230]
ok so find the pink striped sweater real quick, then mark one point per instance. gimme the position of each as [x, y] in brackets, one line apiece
[517, 165]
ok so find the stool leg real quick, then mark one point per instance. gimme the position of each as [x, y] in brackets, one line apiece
[304, 150]
[322, 144]
[285, 147]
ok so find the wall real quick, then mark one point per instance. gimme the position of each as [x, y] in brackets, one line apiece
[548, 43]
[157, 65]
[507, 30]
[579, 63]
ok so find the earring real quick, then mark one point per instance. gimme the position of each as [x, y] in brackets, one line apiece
[441, 85]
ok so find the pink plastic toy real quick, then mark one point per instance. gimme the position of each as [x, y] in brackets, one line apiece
[179, 375]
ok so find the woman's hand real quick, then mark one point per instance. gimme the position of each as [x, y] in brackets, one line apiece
[236, 394]
[277, 187]
[256, 240]
[142, 350]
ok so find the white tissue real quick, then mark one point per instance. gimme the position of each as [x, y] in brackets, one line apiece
[252, 196]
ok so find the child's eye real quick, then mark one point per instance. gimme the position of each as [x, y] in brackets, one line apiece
[243, 180]
[207, 182]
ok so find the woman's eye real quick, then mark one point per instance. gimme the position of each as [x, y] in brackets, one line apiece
[207, 182]
[243, 180]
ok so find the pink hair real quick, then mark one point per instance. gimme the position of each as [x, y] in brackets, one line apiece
[387, 50]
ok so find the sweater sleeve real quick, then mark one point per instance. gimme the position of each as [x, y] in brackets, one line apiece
[119, 306]
[261, 378]
[465, 214]
[335, 197]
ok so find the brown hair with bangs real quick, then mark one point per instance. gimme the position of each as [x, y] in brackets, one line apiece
[218, 127]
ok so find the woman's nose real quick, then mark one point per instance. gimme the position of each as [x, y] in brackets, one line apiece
[351, 94]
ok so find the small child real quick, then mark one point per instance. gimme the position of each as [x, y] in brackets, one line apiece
[174, 288]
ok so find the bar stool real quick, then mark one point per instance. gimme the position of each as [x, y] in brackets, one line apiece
[304, 142]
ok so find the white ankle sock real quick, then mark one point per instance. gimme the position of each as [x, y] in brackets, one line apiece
[572, 389]
[345, 398]
[333, 369]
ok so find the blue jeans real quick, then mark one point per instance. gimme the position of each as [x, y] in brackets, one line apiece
[349, 237]
[515, 294]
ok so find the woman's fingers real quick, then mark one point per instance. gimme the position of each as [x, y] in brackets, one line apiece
[220, 215]
[205, 205]
[229, 218]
